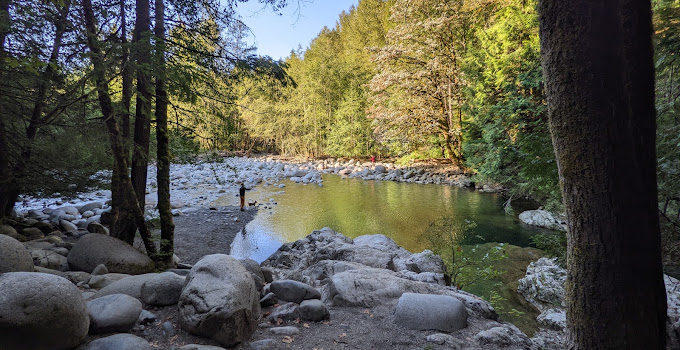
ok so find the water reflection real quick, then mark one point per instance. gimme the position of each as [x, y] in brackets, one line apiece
[355, 207]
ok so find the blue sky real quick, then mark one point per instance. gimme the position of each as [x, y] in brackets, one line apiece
[276, 35]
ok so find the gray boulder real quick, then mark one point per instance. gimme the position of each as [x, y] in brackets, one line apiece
[162, 289]
[254, 268]
[49, 259]
[102, 281]
[90, 207]
[40, 311]
[425, 261]
[544, 219]
[380, 169]
[543, 284]
[95, 227]
[13, 256]
[119, 342]
[10, 231]
[314, 310]
[430, 312]
[94, 249]
[264, 344]
[219, 300]
[131, 286]
[67, 226]
[294, 291]
[31, 233]
[100, 270]
[505, 336]
[285, 330]
[285, 312]
[113, 313]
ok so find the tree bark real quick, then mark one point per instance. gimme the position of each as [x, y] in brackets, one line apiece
[162, 150]
[142, 49]
[599, 78]
[123, 225]
[6, 205]
[112, 125]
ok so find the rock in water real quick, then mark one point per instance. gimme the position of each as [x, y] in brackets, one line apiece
[543, 218]
[13, 256]
[94, 249]
[430, 312]
[119, 342]
[220, 300]
[40, 311]
[294, 291]
[113, 313]
[163, 289]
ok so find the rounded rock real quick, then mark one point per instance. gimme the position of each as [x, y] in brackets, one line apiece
[430, 312]
[119, 342]
[13, 256]
[290, 290]
[94, 249]
[113, 313]
[163, 289]
[40, 311]
[314, 310]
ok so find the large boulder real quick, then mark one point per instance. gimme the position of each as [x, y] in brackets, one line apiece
[119, 342]
[430, 312]
[163, 289]
[544, 219]
[40, 311]
[220, 300]
[13, 256]
[543, 285]
[113, 313]
[94, 249]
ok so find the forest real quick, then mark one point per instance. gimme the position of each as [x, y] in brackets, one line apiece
[94, 91]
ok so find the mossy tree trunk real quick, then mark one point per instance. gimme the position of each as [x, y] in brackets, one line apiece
[162, 153]
[142, 50]
[117, 147]
[599, 79]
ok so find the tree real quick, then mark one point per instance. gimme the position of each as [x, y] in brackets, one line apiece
[163, 156]
[599, 79]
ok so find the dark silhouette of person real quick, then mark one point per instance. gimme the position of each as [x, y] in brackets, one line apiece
[242, 194]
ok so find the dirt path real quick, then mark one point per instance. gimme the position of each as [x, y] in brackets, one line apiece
[207, 231]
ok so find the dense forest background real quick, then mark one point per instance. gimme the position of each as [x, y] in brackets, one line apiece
[404, 79]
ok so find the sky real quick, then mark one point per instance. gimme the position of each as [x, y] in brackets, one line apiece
[276, 35]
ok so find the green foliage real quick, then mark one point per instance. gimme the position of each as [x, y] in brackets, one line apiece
[183, 147]
[553, 244]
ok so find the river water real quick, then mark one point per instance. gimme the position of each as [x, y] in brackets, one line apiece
[354, 207]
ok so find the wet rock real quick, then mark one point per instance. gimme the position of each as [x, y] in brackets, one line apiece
[13, 256]
[119, 342]
[113, 313]
[163, 289]
[314, 310]
[430, 312]
[220, 300]
[294, 291]
[40, 312]
[94, 249]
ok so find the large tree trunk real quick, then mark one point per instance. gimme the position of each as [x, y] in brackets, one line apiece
[123, 225]
[115, 138]
[163, 162]
[142, 50]
[6, 205]
[599, 78]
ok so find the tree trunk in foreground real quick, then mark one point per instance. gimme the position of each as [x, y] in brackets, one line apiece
[112, 125]
[162, 153]
[599, 78]
[142, 49]
[6, 204]
[123, 225]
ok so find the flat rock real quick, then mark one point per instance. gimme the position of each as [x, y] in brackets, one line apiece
[287, 330]
[119, 342]
[264, 344]
[102, 281]
[294, 291]
[544, 219]
[94, 249]
[163, 289]
[13, 256]
[113, 313]
[40, 311]
[200, 347]
[430, 312]
[131, 286]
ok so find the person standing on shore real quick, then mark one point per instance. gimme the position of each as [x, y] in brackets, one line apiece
[242, 194]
